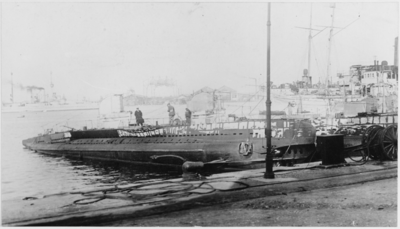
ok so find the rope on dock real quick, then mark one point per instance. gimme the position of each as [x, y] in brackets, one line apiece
[159, 191]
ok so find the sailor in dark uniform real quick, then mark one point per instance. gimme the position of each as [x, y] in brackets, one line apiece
[171, 113]
[188, 115]
[139, 117]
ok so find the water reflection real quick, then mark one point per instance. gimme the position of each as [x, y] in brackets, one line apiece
[102, 173]
[26, 173]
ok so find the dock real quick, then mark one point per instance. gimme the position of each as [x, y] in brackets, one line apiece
[118, 202]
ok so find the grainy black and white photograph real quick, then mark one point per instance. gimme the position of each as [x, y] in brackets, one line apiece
[198, 113]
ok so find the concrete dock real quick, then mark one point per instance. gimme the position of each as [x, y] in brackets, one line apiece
[119, 202]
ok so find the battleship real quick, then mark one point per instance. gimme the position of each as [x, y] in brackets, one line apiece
[47, 107]
[36, 99]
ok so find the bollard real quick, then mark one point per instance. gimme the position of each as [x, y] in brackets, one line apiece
[331, 149]
[191, 170]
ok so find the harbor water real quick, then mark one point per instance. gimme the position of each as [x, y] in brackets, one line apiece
[27, 173]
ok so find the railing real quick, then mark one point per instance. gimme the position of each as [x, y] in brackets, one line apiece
[257, 125]
[102, 123]
[383, 120]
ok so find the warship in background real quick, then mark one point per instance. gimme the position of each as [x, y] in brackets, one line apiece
[39, 101]
[48, 107]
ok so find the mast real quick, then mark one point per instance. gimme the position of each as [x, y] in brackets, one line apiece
[269, 173]
[309, 46]
[310, 37]
[329, 48]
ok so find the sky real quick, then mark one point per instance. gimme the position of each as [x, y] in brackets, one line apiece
[93, 49]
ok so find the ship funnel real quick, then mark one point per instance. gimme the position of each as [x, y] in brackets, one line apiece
[384, 63]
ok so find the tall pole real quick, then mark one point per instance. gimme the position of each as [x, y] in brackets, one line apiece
[309, 46]
[269, 173]
[310, 37]
[329, 48]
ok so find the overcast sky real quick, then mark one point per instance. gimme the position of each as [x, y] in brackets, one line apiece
[92, 49]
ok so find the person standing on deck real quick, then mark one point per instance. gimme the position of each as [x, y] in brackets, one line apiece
[139, 117]
[188, 115]
[171, 113]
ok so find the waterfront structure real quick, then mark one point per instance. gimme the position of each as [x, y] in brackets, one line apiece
[227, 93]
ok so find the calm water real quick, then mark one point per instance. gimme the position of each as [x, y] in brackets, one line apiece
[26, 173]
